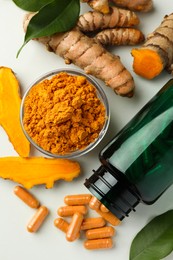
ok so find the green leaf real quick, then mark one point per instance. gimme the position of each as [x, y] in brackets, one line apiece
[31, 5]
[155, 240]
[57, 16]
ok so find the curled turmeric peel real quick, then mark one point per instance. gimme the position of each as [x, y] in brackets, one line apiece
[33, 171]
[147, 63]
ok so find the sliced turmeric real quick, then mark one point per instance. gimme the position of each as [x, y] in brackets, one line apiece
[120, 36]
[33, 171]
[147, 63]
[10, 101]
[156, 54]
[90, 56]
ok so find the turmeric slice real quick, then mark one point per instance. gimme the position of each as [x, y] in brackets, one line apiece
[9, 111]
[147, 63]
[156, 54]
[33, 171]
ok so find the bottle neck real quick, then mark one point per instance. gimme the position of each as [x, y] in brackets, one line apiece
[115, 195]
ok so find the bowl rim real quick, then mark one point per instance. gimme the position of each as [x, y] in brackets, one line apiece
[101, 95]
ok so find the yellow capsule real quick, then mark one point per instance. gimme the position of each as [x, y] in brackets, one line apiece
[74, 227]
[108, 216]
[26, 197]
[98, 243]
[103, 208]
[61, 224]
[102, 232]
[66, 211]
[80, 199]
[89, 223]
[94, 203]
[37, 219]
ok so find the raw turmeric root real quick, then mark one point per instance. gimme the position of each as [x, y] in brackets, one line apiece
[38, 170]
[98, 5]
[120, 36]
[10, 101]
[93, 20]
[135, 5]
[156, 53]
[90, 56]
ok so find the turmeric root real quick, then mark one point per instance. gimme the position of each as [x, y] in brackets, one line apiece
[99, 5]
[120, 36]
[90, 56]
[156, 53]
[10, 101]
[38, 170]
[135, 5]
[93, 20]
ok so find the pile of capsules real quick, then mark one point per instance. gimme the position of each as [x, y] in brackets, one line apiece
[98, 234]
[98, 230]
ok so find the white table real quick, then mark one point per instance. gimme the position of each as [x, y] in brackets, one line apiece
[50, 243]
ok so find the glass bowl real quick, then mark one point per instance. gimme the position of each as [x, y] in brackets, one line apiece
[100, 95]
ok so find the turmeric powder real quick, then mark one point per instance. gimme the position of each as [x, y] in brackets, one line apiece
[63, 114]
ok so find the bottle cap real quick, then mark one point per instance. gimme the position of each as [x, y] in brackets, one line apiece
[115, 195]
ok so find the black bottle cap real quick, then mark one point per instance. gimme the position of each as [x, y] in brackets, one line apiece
[115, 195]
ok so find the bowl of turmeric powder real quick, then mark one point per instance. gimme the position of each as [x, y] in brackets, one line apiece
[64, 113]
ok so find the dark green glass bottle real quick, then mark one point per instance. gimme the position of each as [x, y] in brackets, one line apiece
[137, 165]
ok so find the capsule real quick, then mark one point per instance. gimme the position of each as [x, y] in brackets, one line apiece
[66, 211]
[98, 243]
[94, 203]
[26, 197]
[80, 199]
[74, 227]
[37, 219]
[108, 216]
[61, 224]
[102, 232]
[103, 208]
[89, 223]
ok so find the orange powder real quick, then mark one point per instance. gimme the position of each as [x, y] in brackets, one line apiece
[63, 114]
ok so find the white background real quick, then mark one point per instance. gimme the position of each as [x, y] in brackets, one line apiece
[48, 242]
